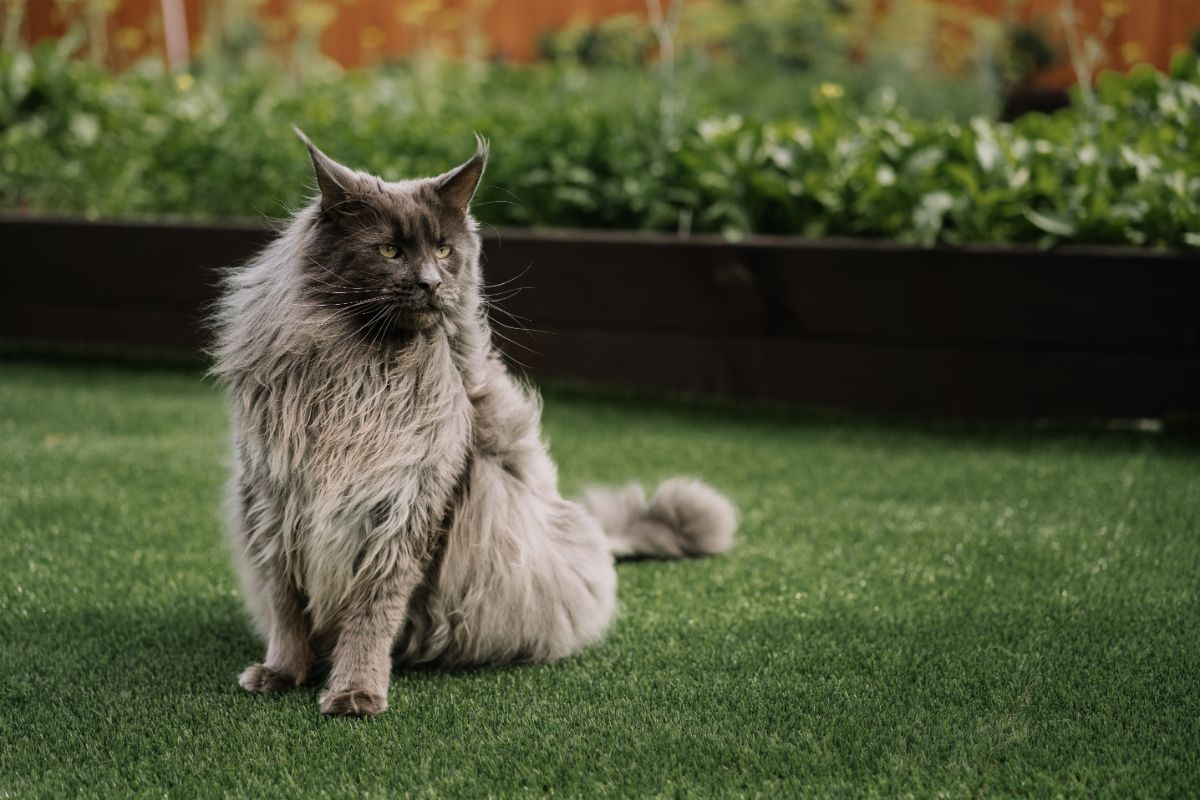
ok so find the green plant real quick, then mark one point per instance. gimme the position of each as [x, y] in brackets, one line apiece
[578, 148]
[623, 40]
[1027, 52]
[785, 34]
[1126, 175]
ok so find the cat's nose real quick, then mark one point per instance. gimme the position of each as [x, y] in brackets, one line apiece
[429, 279]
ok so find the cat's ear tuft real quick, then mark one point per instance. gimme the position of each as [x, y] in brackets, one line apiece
[457, 187]
[335, 181]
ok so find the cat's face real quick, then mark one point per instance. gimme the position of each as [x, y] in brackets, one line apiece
[393, 257]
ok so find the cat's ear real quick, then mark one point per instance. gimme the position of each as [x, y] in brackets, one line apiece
[335, 181]
[457, 187]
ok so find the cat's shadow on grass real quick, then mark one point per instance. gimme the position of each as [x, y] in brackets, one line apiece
[197, 648]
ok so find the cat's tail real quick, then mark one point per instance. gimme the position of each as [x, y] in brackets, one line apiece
[684, 518]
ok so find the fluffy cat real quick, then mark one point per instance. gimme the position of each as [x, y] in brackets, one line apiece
[392, 498]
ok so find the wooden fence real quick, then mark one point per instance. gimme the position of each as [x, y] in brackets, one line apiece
[1137, 31]
[979, 331]
[366, 31]
[355, 33]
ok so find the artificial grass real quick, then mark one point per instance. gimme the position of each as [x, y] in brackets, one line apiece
[911, 609]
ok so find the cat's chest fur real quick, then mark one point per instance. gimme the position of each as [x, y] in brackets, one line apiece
[350, 438]
[377, 420]
[363, 454]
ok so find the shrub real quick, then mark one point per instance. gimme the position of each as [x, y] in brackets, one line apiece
[586, 149]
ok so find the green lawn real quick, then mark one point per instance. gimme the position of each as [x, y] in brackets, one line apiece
[911, 609]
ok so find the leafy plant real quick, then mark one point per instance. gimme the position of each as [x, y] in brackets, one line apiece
[578, 148]
[622, 40]
[1028, 52]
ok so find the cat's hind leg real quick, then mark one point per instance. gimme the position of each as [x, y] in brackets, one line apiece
[525, 577]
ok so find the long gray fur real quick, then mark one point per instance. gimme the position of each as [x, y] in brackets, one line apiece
[392, 496]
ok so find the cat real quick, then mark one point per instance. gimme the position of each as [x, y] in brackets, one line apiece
[392, 500]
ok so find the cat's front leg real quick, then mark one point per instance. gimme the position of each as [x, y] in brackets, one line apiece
[361, 662]
[289, 651]
[270, 591]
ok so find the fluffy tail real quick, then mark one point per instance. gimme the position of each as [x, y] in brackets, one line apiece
[684, 518]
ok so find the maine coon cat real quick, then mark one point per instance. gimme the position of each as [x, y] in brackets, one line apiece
[392, 498]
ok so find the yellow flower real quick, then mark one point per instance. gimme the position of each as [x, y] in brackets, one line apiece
[184, 81]
[314, 15]
[1114, 9]
[371, 37]
[831, 90]
[1133, 52]
[417, 12]
[129, 38]
[275, 29]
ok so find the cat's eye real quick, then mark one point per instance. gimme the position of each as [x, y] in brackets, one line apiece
[443, 251]
[388, 250]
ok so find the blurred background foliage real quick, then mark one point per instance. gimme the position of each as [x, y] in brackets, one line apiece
[811, 117]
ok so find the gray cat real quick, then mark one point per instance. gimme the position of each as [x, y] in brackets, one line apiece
[392, 497]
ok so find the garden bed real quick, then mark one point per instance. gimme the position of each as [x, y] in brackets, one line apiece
[993, 331]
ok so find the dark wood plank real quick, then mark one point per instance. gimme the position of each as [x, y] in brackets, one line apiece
[853, 292]
[171, 264]
[147, 327]
[943, 381]
[956, 332]
[833, 291]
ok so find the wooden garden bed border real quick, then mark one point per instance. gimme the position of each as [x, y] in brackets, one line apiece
[961, 332]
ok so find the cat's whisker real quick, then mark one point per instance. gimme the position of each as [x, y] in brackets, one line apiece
[521, 328]
[377, 317]
[332, 318]
[508, 313]
[382, 328]
[517, 319]
[354, 303]
[315, 305]
[344, 288]
[377, 324]
[500, 297]
[343, 285]
[515, 343]
[511, 316]
[516, 277]
[516, 199]
[496, 231]
[341, 315]
[508, 356]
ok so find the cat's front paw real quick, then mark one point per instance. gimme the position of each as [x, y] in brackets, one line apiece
[352, 703]
[261, 679]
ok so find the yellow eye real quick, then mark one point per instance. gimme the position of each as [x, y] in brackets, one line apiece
[444, 251]
[387, 250]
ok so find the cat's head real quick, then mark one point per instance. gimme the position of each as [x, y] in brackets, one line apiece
[393, 256]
